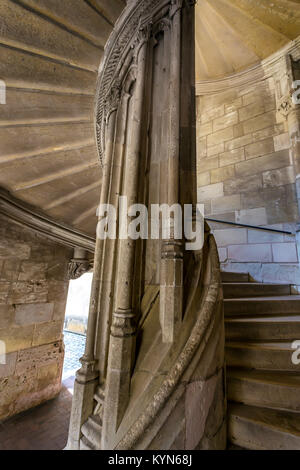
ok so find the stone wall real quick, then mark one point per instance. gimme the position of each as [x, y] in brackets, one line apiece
[33, 291]
[246, 175]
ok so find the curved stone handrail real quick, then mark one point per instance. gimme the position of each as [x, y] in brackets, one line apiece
[197, 342]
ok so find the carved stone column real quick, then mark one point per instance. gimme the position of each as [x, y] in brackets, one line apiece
[171, 283]
[122, 340]
[286, 73]
[87, 376]
[153, 313]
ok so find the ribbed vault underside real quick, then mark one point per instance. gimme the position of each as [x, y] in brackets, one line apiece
[50, 51]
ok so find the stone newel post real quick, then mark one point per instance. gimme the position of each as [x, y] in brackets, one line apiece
[122, 338]
[171, 284]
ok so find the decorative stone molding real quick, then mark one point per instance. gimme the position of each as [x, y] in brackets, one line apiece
[137, 16]
[285, 105]
[78, 267]
[28, 216]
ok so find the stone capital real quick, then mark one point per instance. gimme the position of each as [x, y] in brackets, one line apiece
[78, 267]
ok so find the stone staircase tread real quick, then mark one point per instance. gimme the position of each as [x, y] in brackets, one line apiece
[265, 299]
[253, 284]
[85, 444]
[267, 319]
[282, 378]
[284, 421]
[260, 345]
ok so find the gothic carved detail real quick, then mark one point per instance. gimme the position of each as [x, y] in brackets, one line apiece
[78, 267]
[134, 29]
[285, 105]
[112, 99]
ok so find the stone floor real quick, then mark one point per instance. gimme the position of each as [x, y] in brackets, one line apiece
[46, 426]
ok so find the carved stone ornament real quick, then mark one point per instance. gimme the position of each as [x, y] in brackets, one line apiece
[285, 105]
[78, 267]
[134, 27]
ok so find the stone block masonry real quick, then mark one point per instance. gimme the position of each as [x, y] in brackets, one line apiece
[246, 175]
[33, 292]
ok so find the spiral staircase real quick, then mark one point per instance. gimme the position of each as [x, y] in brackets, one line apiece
[50, 51]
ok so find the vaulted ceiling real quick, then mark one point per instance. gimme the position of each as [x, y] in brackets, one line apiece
[50, 51]
[233, 35]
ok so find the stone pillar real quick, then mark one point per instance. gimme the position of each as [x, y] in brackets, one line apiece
[171, 283]
[110, 246]
[87, 376]
[122, 338]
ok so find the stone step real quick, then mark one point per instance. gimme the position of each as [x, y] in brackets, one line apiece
[263, 429]
[99, 395]
[92, 429]
[264, 388]
[253, 289]
[256, 355]
[263, 328]
[85, 444]
[279, 305]
[234, 277]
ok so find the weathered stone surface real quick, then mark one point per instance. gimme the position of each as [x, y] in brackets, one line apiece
[206, 129]
[17, 338]
[10, 270]
[259, 122]
[220, 136]
[47, 333]
[250, 253]
[33, 313]
[258, 149]
[222, 174]
[232, 156]
[268, 162]
[259, 236]
[4, 290]
[8, 369]
[244, 184]
[31, 271]
[222, 254]
[253, 109]
[29, 292]
[283, 176]
[230, 236]
[226, 203]
[216, 149]
[203, 179]
[225, 121]
[210, 192]
[7, 316]
[284, 253]
[16, 250]
[252, 216]
[238, 142]
[207, 164]
[282, 141]
[199, 396]
[34, 358]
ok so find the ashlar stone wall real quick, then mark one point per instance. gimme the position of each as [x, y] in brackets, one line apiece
[33, 292]
[246, 175]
